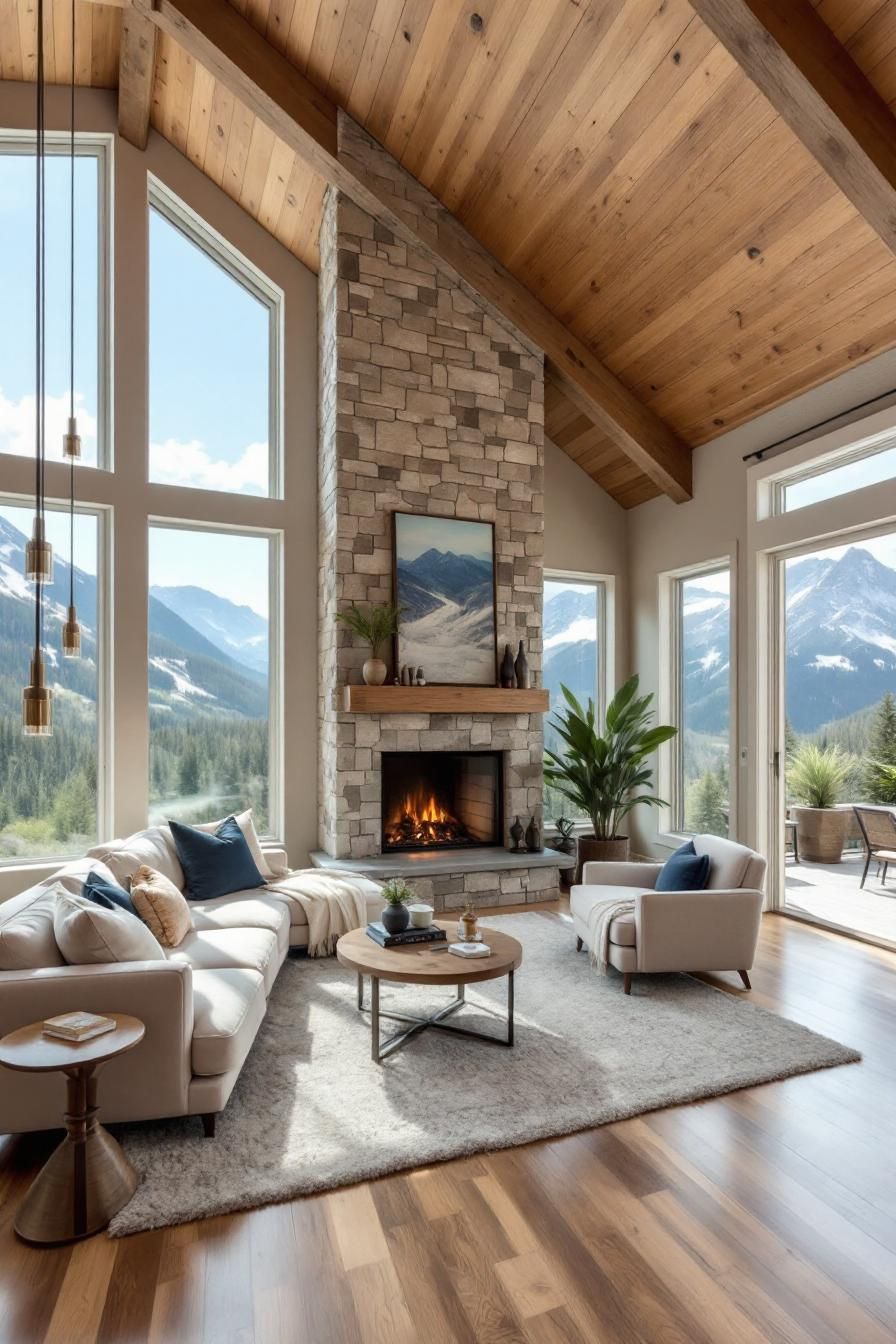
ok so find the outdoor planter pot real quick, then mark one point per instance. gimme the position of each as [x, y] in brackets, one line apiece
[822, 832]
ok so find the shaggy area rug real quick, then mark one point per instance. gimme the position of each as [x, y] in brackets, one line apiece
[312, 1111]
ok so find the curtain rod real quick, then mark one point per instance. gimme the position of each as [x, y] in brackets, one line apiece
[760, 454]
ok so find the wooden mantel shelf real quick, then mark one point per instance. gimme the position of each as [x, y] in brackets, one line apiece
[442, 700]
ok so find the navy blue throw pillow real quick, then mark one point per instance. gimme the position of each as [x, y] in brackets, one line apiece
[215, 864]
[107, 894]
[685, 870]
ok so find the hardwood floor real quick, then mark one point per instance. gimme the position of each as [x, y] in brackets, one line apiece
[766, 1215]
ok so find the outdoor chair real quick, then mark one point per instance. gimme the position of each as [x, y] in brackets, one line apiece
[878, 827]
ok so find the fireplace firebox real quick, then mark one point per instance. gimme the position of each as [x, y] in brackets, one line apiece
[441, 799]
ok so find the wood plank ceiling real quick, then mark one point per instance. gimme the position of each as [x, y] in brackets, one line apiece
[611, 154]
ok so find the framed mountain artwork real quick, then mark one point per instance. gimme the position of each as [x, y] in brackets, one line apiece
[444, 578]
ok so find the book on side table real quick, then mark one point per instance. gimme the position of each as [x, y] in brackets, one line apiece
[379, 934]
[78, 1026]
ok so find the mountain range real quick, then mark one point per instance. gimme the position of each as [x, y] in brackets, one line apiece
[205, 653]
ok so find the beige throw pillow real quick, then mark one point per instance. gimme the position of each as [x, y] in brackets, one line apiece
[153, 847]
[27, 940]
[88, 933]
[161, 906]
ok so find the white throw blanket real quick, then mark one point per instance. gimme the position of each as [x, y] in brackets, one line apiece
[599, 921]
[334, 903]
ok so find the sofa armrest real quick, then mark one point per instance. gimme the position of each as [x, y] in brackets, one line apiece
[642, 875]
[697, 930]
[277, 859]
[150, 1080]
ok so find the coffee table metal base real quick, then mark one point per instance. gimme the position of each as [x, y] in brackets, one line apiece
[380, 1050]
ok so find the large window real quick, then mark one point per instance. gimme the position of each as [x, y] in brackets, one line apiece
[17, 170]
[48, 786]
[575, 657]
[214, 360]
[209, 673]
[701, 701]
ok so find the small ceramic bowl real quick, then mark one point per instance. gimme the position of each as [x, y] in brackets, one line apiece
[421, 915]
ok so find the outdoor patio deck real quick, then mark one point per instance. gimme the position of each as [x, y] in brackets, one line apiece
[830, 891]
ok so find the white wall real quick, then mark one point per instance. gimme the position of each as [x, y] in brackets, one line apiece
[664, 536]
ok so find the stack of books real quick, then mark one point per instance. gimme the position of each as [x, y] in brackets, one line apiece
[379, 934]
[78, 1026]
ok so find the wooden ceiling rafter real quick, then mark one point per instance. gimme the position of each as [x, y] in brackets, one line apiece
[791, 55]
[136, 70]
[293, 110]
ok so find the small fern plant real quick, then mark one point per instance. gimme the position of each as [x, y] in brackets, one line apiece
[397, 891]
[372, 625]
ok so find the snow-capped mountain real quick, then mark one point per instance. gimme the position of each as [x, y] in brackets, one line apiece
[235, 630]
[569, 651]
[188, 672]
[841, 636]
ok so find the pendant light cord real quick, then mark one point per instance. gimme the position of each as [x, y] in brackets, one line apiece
[40, 181]
[71, 327]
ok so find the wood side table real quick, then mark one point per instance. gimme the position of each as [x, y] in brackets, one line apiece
[427, 964]
[88, 1178]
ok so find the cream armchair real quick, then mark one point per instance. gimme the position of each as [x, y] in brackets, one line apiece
[711, 930]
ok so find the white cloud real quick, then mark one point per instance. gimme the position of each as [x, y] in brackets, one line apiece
[190, 463]
[17, 426]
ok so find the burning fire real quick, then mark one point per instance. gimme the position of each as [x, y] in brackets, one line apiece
[422, 820]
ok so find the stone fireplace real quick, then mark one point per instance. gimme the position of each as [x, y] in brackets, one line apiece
[428, 405]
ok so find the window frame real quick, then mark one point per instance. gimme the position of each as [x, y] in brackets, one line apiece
[234, 263]
[105, 642]
[275, 538]
[670, 701]
[89, 144]
[605, 585]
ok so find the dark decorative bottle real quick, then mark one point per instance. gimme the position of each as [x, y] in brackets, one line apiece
[533, 838]
[507, 673]
[521, 669]
[516, 835]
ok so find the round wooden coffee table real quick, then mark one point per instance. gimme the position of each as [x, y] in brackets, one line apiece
[88, 1178]
[427, 964]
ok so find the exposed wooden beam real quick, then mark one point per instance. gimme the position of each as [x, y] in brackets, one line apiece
[792, 56]
[136, 63]
[240, 58]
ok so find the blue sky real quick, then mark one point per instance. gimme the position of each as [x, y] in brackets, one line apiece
[416, 535]
[209, 370]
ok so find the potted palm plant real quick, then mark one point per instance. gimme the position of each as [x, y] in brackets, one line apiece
[816, 778]
[606, 773]
[373, 625]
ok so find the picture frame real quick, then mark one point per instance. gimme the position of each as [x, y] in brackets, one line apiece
[444, 575]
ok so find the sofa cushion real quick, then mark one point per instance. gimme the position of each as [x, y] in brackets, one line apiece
[153, 847]
[228, 1007]
[161, 906]
[622, 931]
[583, 899]
[220, 949]
[217, 863]
[27, 940]
[89, 934]
[244, 910]
[246, 822]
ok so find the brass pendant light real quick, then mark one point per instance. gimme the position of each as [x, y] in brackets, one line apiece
[37, 698]
[71, 442]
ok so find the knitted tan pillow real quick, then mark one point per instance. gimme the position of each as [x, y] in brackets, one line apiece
[161, 906]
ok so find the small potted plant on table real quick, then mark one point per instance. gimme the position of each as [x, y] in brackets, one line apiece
[396, 894]
[373, 626]
[605, 773]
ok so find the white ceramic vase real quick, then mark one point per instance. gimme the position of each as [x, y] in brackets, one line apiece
[374, 672]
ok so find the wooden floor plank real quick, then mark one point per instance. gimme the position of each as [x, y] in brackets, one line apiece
[763, 1215]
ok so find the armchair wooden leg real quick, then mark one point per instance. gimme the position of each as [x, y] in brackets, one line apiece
[746, 979]
[208, 1124]
[626, 982]
[579, 944]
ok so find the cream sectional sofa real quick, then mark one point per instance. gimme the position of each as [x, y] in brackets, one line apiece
[202, 1005]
